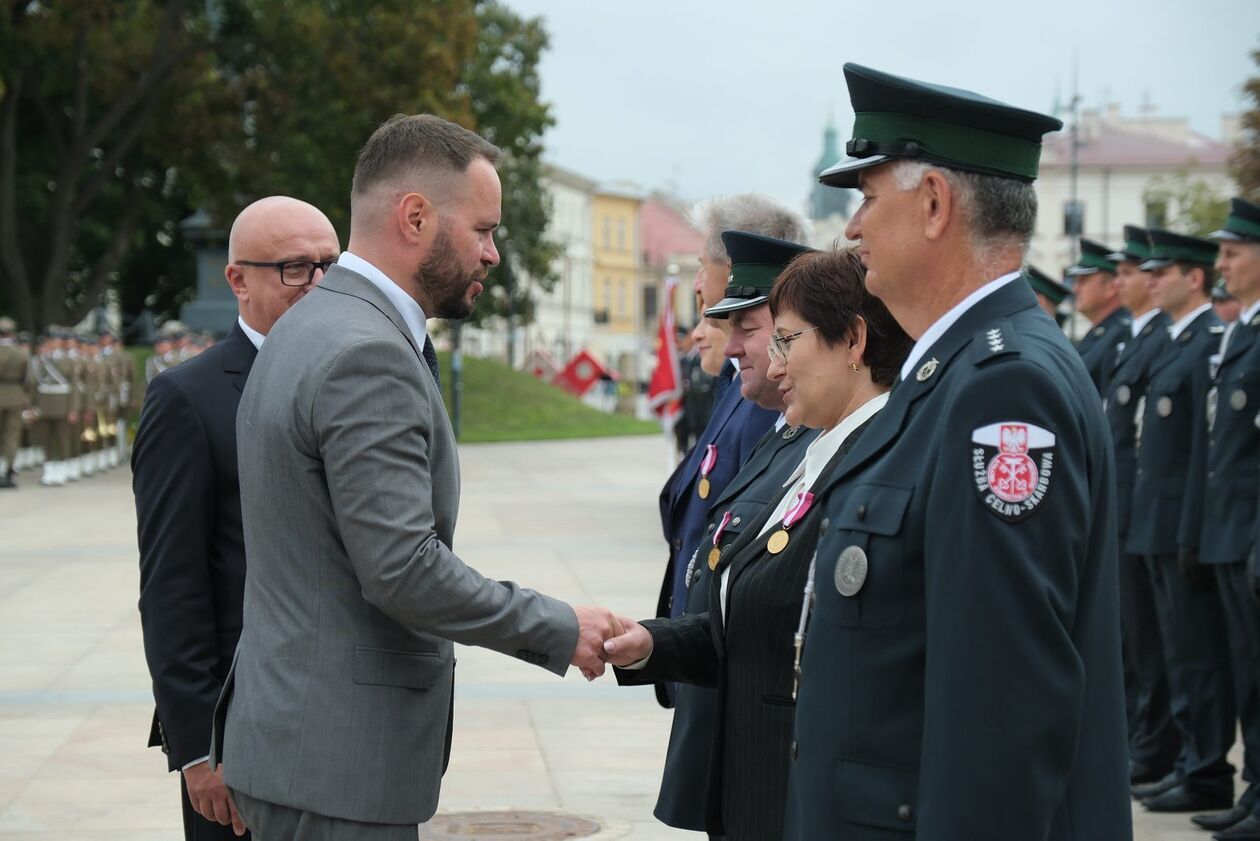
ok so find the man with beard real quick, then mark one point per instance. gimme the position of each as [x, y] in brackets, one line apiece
[335, 720]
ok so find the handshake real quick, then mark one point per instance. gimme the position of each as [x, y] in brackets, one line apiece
[604, 637]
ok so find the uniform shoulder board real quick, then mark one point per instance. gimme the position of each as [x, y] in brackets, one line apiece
[995, 341]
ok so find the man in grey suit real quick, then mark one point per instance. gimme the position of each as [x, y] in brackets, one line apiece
[335, 721]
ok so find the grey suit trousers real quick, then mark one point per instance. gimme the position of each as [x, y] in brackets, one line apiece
[272, 822]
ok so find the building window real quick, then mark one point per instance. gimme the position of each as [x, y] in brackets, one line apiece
[607, 232]
[1156, 213]
[1073, 218]
[621, 235]
[649, 305]
[607, 302]
[620, 311]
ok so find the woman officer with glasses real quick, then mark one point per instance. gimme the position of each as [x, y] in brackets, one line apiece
[835, 353]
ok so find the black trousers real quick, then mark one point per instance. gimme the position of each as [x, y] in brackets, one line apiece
[1201, 688]
[1242, 619]
[1154, 741]
[197, 828]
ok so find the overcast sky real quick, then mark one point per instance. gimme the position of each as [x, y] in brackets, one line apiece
[709, 97]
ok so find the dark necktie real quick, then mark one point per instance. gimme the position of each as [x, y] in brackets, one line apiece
[430, 356]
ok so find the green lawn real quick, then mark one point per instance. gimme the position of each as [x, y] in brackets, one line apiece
[501, 404]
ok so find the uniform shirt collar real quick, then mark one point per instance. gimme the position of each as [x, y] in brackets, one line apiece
[780, 422]
[1246, 315]
[1140, 321]
[1180, 327]
[822, 448]
[255, 338]
[406, 305]
[947, 320]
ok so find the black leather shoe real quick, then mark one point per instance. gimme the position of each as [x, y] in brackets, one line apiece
[1141, 792]
[1220, 820]
[1182, 799]
[1248, 829]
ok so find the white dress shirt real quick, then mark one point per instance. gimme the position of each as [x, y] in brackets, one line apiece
[1140, 321]
[253, 335]
[1180, 327]
[947, 320]
[406, 305]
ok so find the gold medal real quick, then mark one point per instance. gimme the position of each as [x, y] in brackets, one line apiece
[704, 488]
[714, 554]
[778, 542]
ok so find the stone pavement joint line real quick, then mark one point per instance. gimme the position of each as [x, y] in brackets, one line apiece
[575, 519]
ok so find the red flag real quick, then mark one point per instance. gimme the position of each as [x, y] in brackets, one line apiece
[665, 387]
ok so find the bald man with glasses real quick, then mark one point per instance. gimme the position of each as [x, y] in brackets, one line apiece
[188, 507]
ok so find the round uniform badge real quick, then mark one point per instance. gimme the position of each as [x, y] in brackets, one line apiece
[851, 570]
[1238, 400]
[1163, 406]
[1123, 395]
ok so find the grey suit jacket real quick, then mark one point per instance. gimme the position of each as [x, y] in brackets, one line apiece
[339, 697]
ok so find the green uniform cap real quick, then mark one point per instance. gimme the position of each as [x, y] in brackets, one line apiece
[1242, 224]
[1168, 248]
[1137, 247]
[899, 118]
[1043, 284]
[1095, 257]
[756, 262]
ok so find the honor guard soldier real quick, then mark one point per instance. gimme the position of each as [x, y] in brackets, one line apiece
[756, 262]
[1168, 501]
[53, 405]
[1050, 293]
[1233, 485]
[1098, 299]
[1154, 743]
[961, 679]
[15, 382]
[158, 361]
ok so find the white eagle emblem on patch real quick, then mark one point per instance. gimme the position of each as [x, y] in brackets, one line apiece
[1012, 462]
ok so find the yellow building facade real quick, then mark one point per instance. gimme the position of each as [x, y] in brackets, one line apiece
[616, 270]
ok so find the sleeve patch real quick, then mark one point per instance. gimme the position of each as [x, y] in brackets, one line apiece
[1011, 464]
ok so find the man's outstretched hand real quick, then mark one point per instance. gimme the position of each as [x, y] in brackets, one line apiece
[629, 647]
[595, 624]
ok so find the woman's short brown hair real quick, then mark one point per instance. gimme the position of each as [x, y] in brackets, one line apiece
[828, 289]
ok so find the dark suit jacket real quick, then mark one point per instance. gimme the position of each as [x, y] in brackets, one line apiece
[735, 427]
[1126, 388]
[192, 550]
[1233, 460]
[747, 654]
[1172, 453]
[1098, 347]
[970, 689]
[684, 781]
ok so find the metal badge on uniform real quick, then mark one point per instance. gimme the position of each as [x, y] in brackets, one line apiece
[715, 554]
[779, 540]
[851, 568]
[1011, 464]
[927, 370]
[790, 432]
[1238, 400]
[1123, 395]
[1098, 331]
[1164, 406]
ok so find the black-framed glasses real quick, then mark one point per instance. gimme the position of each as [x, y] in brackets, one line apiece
[292, 272]
[779, 345]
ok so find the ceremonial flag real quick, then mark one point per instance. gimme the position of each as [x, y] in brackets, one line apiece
[665, 387]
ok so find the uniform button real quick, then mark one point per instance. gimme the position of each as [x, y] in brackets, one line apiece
[825, 523]
[710, 527]
[793, 749]
[904, 812]
[861, 512]
[1211, 474]
[695, 576]
[735, 522]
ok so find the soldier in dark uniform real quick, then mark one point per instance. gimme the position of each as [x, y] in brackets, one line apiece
[697, 400]
[1154, 743]
[755, 263]
[1233, 484]
[1167, 498]
[961, 678]
[1098, 299]
[15, 388]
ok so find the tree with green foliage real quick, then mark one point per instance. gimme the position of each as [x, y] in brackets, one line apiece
[166, 106]
[1188, 205]
[1245, 163]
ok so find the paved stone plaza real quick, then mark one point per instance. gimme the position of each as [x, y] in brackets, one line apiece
[575, 519]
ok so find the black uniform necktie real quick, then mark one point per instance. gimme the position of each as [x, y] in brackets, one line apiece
[430, 356]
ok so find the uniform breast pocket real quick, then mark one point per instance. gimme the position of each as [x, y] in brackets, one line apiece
[1163, 399]
[859, 580]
